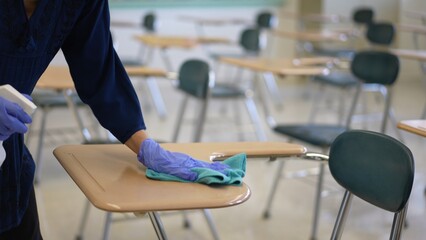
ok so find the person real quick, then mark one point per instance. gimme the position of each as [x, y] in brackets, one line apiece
[32, 33]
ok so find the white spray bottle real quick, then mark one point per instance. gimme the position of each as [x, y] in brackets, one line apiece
[11, 94]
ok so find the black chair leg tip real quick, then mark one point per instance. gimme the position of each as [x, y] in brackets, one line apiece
[78, 238]
[266, 215]
[186, 224]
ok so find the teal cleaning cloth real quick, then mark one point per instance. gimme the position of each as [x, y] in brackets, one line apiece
[231, 176]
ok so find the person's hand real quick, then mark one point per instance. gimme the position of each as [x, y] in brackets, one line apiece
[154, 157]
[12, 119]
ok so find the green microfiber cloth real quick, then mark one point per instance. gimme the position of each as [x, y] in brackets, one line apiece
[233, 175]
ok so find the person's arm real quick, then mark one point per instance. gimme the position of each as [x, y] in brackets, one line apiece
[99, 77]
[135, 141]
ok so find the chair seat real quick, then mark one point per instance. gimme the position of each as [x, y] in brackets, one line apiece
[314, 134]
[221, 90]
[338, 79]
[52, 99]
[335, 52]
[131, 62]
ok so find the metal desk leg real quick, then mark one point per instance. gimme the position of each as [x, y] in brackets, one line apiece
[156, 97]
[84, 131]
[158, 225]
[107, 227]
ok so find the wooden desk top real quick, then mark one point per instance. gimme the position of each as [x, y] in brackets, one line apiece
[299, 66]
[412, 28]
[414, 126]
[316, 17]
[56, 78]
[412, 54]
[122, 23]
[313, 36]
[113, 180]
[177, 41]
[415, 14]
[217, 21]
[59, 78]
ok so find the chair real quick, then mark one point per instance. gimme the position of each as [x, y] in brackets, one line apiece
[149, 25]
[266, 20]
[376, 168]
[196, 81]
[379, 35]
[252, 42]
[370, 67]
[362, 18]
[46, 101]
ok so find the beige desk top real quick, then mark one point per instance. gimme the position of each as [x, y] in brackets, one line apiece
[415, 14]
[316, 17]
[414, 126]
[217, 21]
[122, 23]
[113, 180]
[299, 66]
[412, 28]
[412, 54]
[59, 78]
[178, 41]
[313, 36]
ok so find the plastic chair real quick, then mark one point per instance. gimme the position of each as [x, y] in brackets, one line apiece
[376, 168]
[149, 25]
[197, 81]
[46, 101]
[370, 67]
[379, 35]
[266, 20]
[362, 18]
[252, 42]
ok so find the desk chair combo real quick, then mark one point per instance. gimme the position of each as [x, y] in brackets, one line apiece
[252, 42]
[375, 168]
[197, 81]
[361, 19]
[149, 25]
[114, 181]
[370, 67]
[380, 35]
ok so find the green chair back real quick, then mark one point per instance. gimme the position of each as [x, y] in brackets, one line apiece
[265, 20]
[194, 78]
[363, 16]
[375, 67]
[149, 21]
[250, 39]
[381, 33]
[373, 166]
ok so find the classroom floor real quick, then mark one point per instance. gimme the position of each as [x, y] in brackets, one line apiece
[61, 203]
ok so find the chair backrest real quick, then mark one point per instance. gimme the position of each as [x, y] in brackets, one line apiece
[194, 78]
[363, 15]
[149, 22]
[250, 39]
[266, 20]
[381, 33]
[373, 166]
[375, 67]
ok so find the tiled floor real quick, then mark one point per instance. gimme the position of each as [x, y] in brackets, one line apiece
[61, 202]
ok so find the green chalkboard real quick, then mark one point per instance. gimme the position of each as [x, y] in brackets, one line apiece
[192, 3]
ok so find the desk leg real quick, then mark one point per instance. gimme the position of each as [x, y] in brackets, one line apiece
[84, 131]
[158, 225]
[156, 97]
[107, 226]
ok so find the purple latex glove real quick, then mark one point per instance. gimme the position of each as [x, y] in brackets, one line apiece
[12, 119]
[153, 156]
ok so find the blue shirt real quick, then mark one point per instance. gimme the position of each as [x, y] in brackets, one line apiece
[81, 29]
